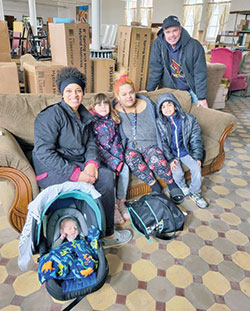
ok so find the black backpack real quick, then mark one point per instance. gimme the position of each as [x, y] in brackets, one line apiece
[157, 215]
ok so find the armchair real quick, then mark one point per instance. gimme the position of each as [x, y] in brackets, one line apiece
[232, 59]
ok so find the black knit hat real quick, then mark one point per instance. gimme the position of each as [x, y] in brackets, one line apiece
[171, 21]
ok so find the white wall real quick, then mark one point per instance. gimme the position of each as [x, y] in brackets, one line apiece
[237, 5]
[112, 10]
[18, 8]
[164, 8]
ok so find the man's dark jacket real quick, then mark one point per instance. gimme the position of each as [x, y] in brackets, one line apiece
[192, 60]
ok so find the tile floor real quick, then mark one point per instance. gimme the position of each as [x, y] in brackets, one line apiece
[206, 268]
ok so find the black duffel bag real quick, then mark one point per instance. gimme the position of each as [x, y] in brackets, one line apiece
[157, 215]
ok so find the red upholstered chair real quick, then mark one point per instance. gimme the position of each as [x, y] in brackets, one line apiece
[232, 59]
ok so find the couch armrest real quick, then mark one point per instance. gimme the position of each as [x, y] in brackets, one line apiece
[15, 167]
[214, 123]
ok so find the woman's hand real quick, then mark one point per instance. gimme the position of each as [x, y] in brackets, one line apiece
[91, 170]
[89, 174]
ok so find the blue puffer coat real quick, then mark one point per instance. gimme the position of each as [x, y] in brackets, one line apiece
[191, 130]
[193, 64]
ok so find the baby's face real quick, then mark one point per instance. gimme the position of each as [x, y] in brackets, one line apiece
[70, 229]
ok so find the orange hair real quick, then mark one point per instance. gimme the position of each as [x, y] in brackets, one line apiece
[121, 80]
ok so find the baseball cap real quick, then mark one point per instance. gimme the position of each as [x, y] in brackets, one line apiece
[171, 21]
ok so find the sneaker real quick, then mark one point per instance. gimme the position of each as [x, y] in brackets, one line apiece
[123, 210]
[198, 199]
[185, 190]
[118, 219]
[120, 237]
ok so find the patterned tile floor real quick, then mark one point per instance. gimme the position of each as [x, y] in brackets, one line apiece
[206, 268]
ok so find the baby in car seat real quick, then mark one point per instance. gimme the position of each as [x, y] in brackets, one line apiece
[68, 232]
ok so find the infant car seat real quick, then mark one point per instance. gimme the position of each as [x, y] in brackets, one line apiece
[80, 202]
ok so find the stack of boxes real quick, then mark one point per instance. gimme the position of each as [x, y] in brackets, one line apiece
[133, 53]
[102, 74]
[39, 76]
[8, 70]
[69, 44]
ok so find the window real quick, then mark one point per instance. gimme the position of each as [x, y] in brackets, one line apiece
[130, 12]
[192, 16]
[216, 18]
[146, 12]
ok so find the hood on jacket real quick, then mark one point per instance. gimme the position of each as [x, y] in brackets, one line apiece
[185, 36]
[167, 97]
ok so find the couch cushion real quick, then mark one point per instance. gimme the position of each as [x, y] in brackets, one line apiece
[18, 112]
[215, 72]
[183, 97]
[23, 108]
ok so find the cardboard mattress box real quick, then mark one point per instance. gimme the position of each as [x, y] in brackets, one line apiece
[102, 74]
[5, 43]
[133, 53]
[70, 46]
[40, 76]
[9, 78]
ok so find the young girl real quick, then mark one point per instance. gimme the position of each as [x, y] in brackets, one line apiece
[105, 127]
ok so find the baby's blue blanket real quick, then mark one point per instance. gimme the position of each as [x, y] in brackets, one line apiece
[72, 261]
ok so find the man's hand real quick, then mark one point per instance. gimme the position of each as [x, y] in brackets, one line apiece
[202, 103]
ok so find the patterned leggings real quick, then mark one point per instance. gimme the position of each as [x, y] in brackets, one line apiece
[143, 161]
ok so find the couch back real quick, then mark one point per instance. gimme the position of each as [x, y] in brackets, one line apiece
[18, 111]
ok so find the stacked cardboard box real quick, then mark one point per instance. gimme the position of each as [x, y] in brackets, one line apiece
[5, 43]
[9, 78]
[102, 74]
[39, 76]
[133, 53]
[70, 46]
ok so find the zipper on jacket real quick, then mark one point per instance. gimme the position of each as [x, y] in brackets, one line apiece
[176, 137]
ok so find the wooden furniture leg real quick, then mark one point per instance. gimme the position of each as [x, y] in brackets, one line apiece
[23, 195]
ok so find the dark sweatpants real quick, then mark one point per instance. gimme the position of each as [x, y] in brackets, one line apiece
[104, 184]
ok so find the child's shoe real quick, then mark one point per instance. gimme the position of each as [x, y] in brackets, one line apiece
[185, 190]
[118, 219]
[122, 209]
[198, 199]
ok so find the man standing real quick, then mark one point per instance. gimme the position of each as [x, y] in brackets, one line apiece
[178, 61]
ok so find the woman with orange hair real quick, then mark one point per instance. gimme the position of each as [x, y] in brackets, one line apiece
[141, 139]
